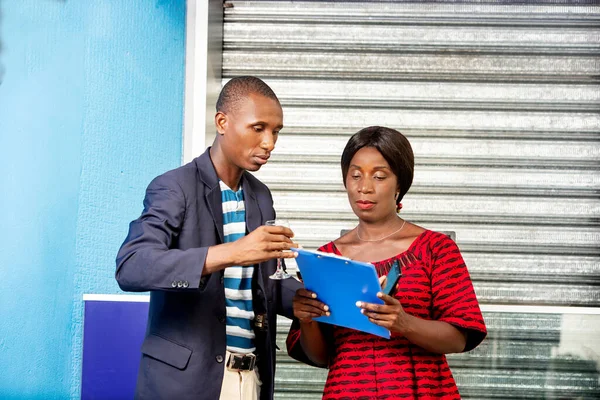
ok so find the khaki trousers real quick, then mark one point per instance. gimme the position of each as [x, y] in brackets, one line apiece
[240, 385]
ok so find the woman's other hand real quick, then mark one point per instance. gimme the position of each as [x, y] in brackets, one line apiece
[307, 307]
[390, 315]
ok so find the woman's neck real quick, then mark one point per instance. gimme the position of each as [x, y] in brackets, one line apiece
[379, 230]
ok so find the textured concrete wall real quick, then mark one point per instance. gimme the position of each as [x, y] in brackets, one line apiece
[91, 104]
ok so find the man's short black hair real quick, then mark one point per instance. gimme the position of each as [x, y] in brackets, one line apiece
[239, 88]
[392, 145]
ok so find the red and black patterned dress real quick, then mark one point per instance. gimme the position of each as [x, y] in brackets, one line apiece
[435, 285]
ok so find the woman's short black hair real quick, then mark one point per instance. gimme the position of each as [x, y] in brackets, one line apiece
[392, 145]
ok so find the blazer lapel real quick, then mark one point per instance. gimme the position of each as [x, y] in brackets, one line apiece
[253, 221]
[253, 214]
[212, 191]
[215, 206]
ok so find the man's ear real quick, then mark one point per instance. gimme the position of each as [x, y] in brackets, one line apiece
[221, 122]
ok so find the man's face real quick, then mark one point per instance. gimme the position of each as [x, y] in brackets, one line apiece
[250, 131]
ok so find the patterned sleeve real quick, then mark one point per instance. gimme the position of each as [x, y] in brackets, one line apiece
[454, 300]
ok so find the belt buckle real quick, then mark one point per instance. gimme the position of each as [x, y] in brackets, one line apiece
[241, 362]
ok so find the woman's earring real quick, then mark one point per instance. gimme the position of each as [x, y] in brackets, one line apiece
[398, 207]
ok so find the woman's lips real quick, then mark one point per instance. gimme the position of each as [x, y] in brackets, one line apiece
[365, 205]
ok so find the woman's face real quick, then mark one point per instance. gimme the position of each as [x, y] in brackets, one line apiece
[371, 185]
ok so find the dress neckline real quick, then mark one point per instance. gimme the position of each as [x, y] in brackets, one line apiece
[336, 251]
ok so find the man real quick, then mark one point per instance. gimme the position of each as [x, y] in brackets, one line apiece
[201, 249]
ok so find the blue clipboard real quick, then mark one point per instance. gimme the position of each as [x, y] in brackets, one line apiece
[340, 282]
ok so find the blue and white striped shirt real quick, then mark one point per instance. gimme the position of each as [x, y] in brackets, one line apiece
[237, 279]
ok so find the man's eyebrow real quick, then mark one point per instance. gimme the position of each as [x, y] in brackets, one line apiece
[278, 127]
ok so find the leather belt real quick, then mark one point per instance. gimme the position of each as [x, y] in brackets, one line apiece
[241, 362]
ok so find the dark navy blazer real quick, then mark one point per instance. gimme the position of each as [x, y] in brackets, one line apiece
[164, 253]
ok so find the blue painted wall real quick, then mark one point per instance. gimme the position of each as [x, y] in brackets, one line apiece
[91, 108]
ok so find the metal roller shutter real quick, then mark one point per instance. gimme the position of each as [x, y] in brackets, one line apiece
[502, 106]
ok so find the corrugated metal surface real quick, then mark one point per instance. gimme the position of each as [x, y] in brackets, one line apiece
[502, 106]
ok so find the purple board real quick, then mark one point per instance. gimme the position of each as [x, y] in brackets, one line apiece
[113, 333]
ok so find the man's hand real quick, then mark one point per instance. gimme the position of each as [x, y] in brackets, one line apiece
[262, 244]
[307, 307]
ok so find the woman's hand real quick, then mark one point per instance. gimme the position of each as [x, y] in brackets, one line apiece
[307, 307]
[390, 315]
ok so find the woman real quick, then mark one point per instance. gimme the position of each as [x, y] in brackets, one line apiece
[433, 311]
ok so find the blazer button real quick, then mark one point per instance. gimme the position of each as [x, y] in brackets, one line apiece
[186, 284]
[179, 284]
[174, 284]
[219, 358]
[222, 279]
